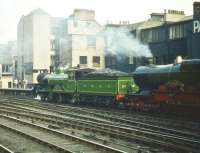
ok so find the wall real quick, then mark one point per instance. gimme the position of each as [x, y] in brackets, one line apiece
[25, 48]
[81, 27]
[41, 43]
[80, 48]
[86, 15]
[193, 46]
[33, 45]
[4, 80]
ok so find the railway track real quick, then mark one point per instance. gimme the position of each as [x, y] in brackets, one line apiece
[76, 125]
[60, 141]
[135, 120]
[168, 140]
[127, 115]
[147, 117]
[120, 127]
[58, 122]
[19, 143]
[4, 149]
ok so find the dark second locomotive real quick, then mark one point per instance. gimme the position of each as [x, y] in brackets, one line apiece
[176, 85]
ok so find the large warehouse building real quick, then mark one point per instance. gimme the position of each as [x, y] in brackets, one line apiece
[171, 34]
[168, 35]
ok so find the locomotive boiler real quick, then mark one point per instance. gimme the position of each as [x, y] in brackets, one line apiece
[152, 76]
[173, 84]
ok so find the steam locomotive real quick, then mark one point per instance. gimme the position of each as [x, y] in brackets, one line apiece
[148, 87]
[103, 87]
[175, 85]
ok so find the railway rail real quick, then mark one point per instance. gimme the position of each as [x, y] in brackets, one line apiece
[165, 139]
[57, 122]
[139, 120]
[60, 141]
[164, 119]
[134, 118]
[4, 149]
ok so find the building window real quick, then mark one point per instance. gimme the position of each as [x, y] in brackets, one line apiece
[53, 45]
[184, 30]
[83, 59]
[158, 34]
[5, 68]
[35, 71]
[181, 31]
[96, 61]
[9, 84]
[75, 23]
[177, 31]
[91, 41]
[146, 36]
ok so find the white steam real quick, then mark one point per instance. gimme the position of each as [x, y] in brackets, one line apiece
[65, 67]
[121, 42]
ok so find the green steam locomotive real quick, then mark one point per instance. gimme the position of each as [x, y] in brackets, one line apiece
[75, 85]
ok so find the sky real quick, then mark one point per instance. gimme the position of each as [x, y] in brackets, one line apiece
[106, 10]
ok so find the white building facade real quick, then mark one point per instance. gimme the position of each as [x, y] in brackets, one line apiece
[84, 45]
[6, 78]
[33, 41]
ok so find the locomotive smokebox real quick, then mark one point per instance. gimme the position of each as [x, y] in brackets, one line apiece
[41, 78]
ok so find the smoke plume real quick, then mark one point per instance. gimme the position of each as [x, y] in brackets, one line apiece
[121, 42]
